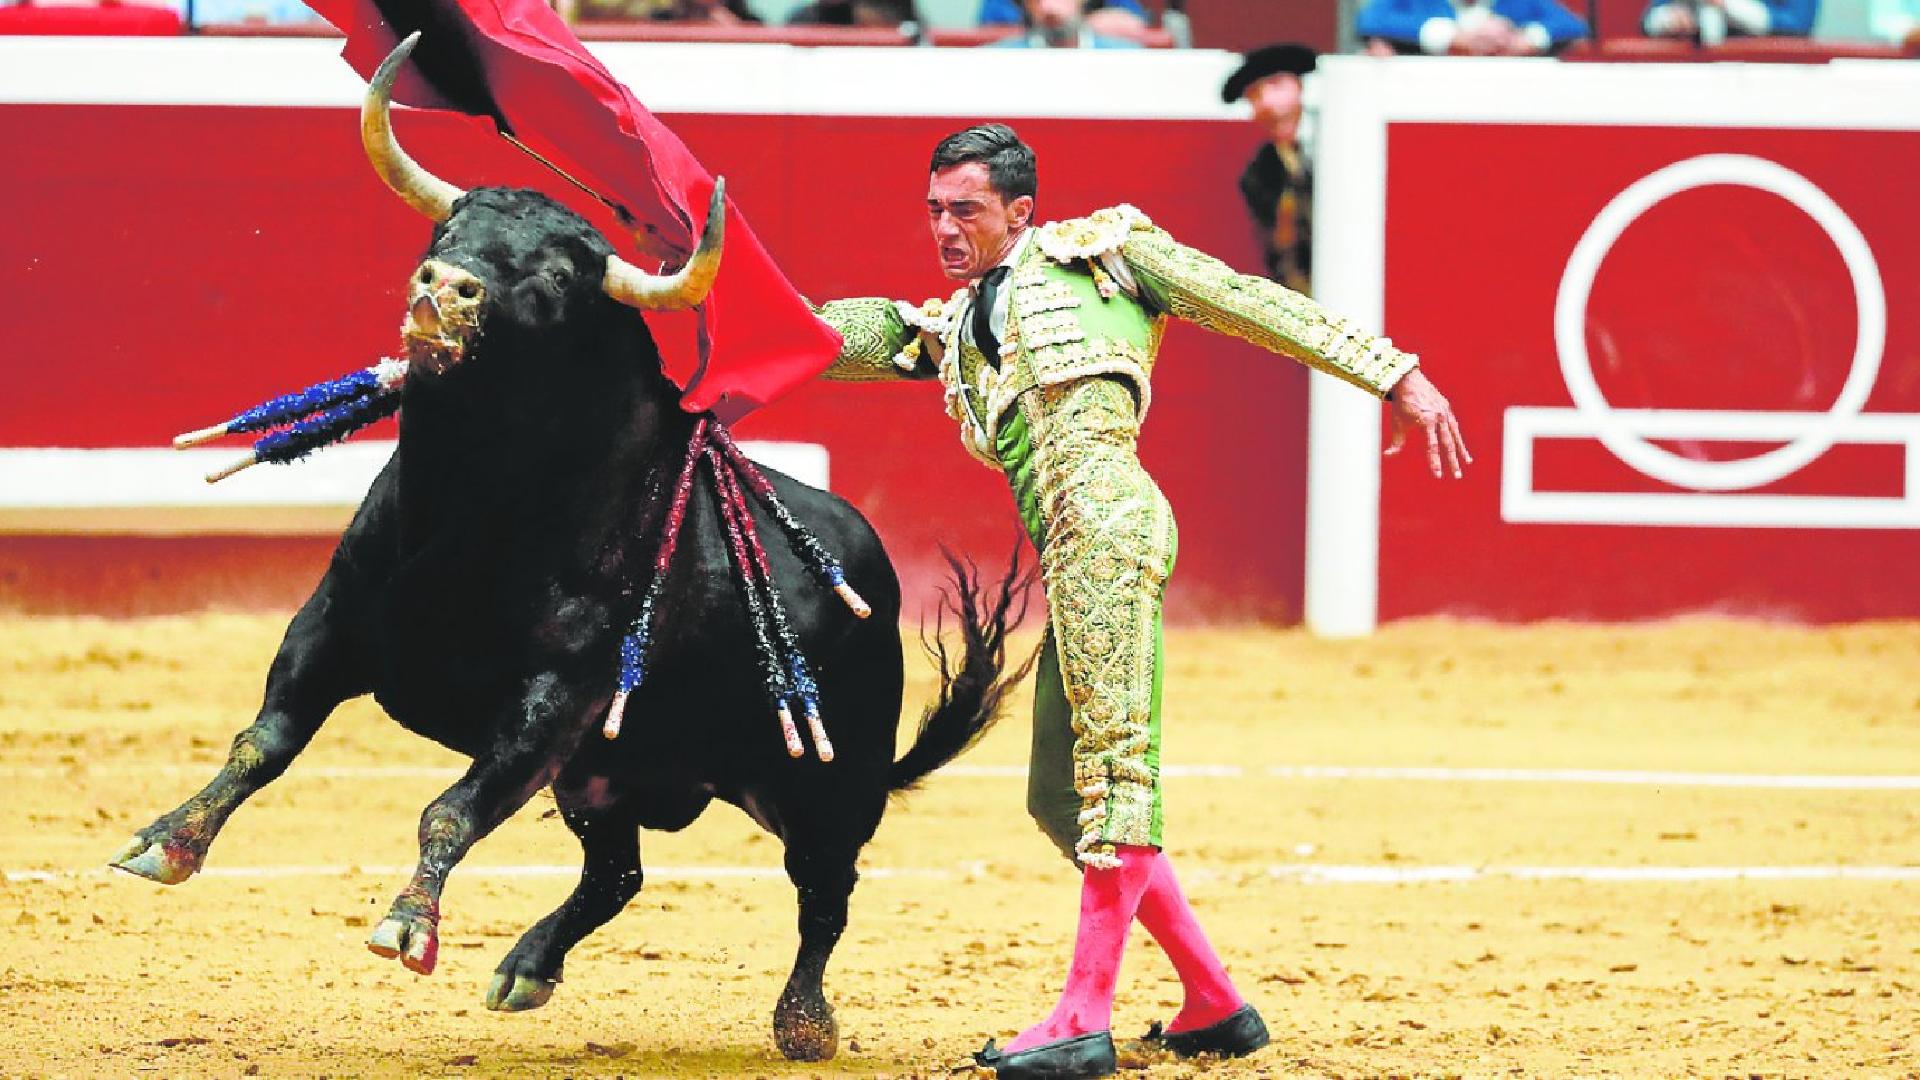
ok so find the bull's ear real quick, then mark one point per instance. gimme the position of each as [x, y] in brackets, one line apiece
[685, 287]
[421, 189]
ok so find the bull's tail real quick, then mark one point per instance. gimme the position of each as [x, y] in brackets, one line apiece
[973, 691]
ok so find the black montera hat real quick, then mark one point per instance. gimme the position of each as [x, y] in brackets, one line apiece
[1287, 57]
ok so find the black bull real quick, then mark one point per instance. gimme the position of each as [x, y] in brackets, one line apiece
[483, 586]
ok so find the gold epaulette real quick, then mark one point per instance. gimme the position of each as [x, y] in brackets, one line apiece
[1099, 233]
[1096, 239]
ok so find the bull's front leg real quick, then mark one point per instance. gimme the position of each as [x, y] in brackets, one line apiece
[311, 675]
[550, 718]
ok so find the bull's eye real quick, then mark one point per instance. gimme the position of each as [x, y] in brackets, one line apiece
[426, 276]
[468, 289]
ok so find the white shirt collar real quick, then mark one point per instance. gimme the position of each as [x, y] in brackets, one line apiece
[1013, 253]
[997, 318]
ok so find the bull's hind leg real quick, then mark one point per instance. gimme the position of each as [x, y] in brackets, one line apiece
[824, 831]
[545, 725]
[312, 673]
[610, 876]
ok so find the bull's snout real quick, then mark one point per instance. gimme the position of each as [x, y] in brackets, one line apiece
[443, 295]
[443, 314]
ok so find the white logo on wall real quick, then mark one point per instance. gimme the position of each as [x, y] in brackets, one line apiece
[1718, 492]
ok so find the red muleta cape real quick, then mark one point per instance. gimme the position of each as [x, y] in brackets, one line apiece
[517, 62]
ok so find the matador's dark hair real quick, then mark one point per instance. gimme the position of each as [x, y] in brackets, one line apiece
[1009, 162]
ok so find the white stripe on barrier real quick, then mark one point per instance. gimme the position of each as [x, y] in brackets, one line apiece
[1625, 777]
[761, 79]
[67, 479]
[1302, 873]
[34, 478]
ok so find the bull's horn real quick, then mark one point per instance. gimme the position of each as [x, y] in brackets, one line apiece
[421, 189]
[685, 287]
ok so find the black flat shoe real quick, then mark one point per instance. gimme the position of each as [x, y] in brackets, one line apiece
[1236, 1036]
[1082, 1057]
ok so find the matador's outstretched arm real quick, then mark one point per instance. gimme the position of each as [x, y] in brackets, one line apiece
[1199, 288]
[882, 339]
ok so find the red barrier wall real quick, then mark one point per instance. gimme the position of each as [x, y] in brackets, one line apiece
[1674, 306]
[179, 262]
[1720, 299]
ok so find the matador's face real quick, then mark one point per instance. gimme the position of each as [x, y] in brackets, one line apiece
[973, 225]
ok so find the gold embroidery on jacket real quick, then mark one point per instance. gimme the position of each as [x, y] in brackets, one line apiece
[872, 334]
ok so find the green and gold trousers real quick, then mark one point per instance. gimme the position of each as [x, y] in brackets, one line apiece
[1107, 541]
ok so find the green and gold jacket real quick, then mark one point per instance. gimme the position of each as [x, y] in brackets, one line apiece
[1091, 296]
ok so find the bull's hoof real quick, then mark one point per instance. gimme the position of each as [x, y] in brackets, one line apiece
[806, 1032]
[168, 864]
[415, 941]
[518, 993]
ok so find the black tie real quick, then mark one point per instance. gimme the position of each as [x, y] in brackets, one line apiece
[983, 335]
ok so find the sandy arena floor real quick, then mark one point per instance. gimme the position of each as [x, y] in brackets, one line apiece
[1807, 966]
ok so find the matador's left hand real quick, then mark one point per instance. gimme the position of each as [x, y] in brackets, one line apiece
[1418, 403]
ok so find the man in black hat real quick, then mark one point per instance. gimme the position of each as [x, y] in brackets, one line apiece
[1277, 184]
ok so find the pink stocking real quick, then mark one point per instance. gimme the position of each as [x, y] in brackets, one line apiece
[1109, 898]
[1210, 995]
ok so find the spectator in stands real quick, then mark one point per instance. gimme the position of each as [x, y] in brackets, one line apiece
[1467, 27]
[248, 12]
[1896, 22]
[1060, 24]
[1112, 18]
[716, 12]
[882, 13]
[1277, 184]
[1711, 21]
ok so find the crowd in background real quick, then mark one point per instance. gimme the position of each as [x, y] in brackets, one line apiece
[1539, 27]
[1439, 27]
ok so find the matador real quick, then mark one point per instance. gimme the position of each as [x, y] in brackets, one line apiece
[1046, 354]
